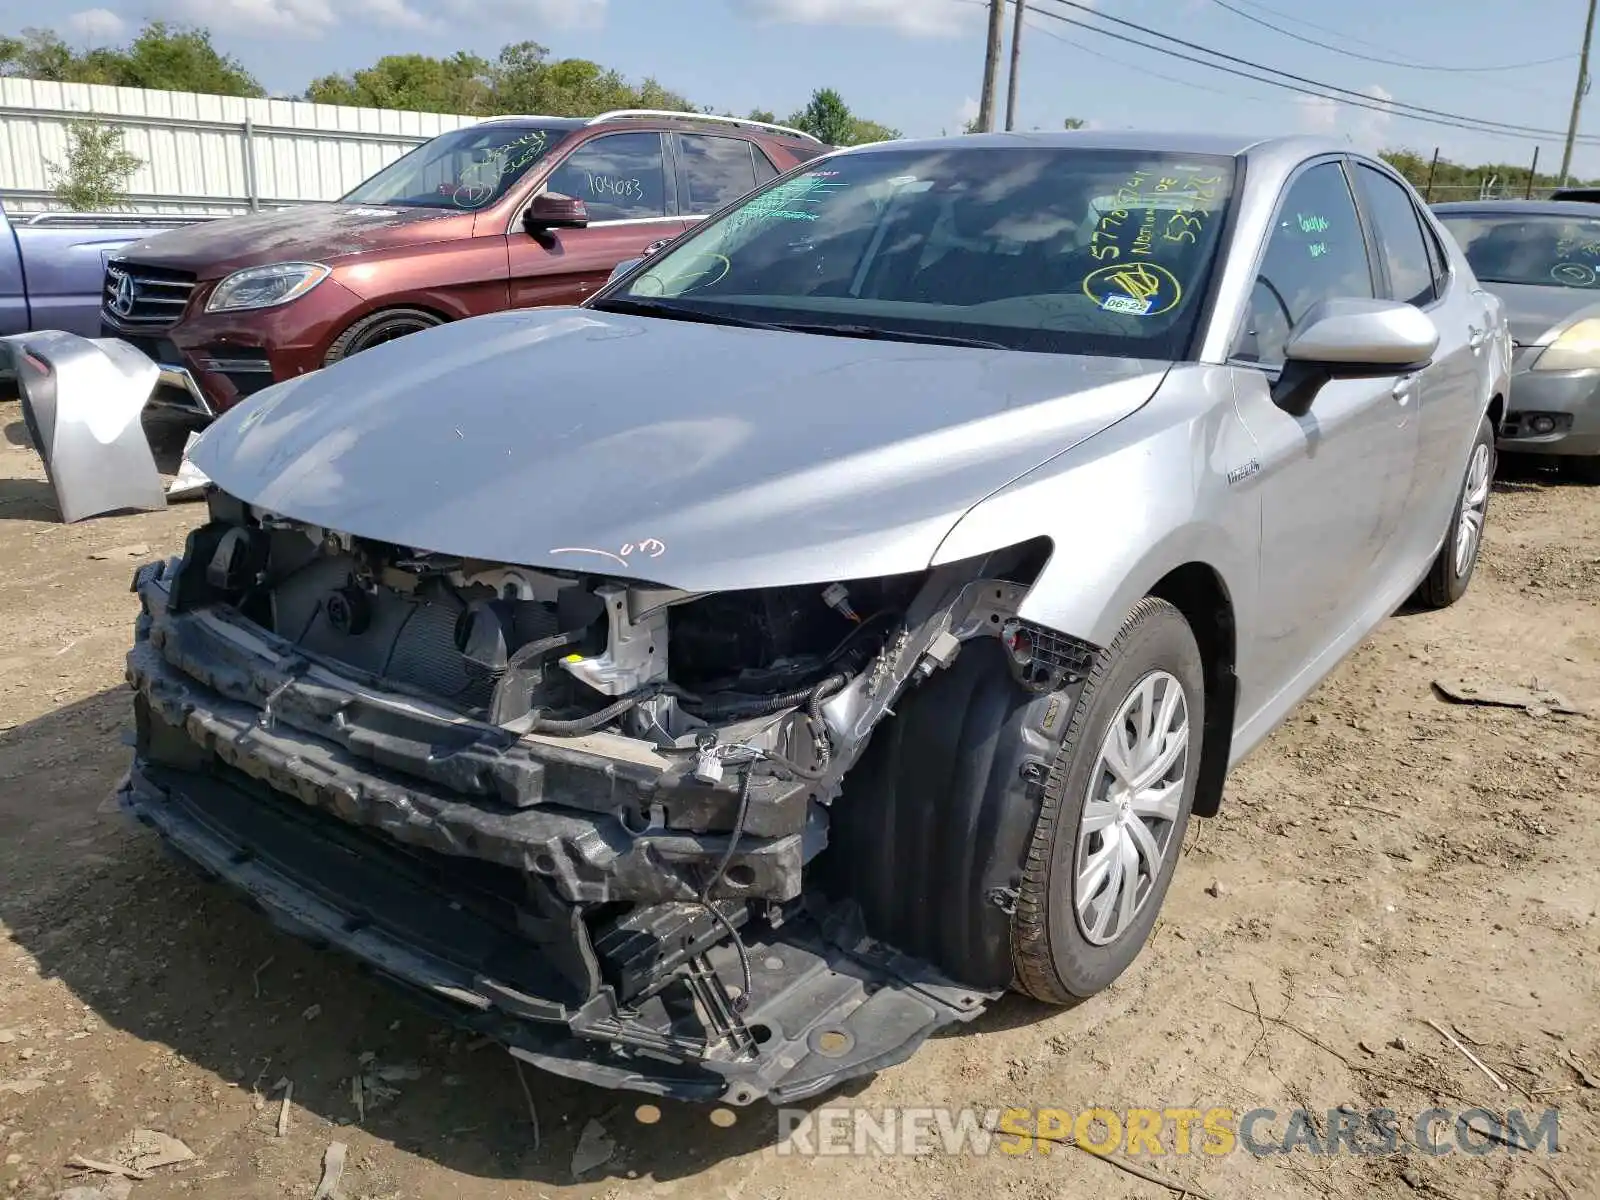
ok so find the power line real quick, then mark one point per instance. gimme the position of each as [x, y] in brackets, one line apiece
[1298, 20]
[1140, 67]
[1300, 83]
[1361, 99]
[1295, 19]
[1121, 62]
[1391, 62]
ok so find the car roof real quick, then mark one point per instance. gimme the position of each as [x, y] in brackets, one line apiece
[1227, 145]
[1518, 208]
[529, 119]
[655, 119]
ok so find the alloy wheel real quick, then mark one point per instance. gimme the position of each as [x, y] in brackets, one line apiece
[1135, 790]
[1474, 507]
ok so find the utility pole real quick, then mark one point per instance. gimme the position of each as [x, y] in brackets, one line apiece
[991, 65]
[1016, 60]
[1577, 96]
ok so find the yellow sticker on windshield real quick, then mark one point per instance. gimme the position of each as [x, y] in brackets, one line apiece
[1135, 289]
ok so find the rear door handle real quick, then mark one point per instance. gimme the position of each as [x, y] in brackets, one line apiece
[1475, 337]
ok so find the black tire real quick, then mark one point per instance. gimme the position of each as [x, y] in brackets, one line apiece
[1446, 582]
[1054, 959]
[377, 328]
[1584, 469]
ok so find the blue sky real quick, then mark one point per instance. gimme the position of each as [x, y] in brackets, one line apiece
[917, 64]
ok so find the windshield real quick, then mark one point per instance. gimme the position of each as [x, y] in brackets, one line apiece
[1032, 248]
[1552, 251]
[467, 168]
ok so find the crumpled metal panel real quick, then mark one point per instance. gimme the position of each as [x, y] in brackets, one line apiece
[82, 399]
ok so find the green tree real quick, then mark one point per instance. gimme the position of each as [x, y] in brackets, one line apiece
[41, 54]
[1073, 123]
[1457, 181]
[524, 79]
[170, 57]
[97, 168]
[413, 82]
[827, 117]
[863, 131]
[763, 114]
[178, 59]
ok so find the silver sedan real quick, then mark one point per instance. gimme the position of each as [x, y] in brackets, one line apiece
[716, 688]
[1542, 259]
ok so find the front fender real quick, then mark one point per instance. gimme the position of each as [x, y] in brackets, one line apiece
[1126, 508]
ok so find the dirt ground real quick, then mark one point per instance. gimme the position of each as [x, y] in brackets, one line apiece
[1385, 860]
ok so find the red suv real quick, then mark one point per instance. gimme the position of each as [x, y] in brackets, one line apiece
[510, 213]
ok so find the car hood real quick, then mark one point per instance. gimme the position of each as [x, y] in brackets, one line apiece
[1536, 314]
[308, 233]
[696, 456]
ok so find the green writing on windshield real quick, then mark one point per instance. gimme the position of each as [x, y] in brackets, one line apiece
[794, 199]
[1312, 223]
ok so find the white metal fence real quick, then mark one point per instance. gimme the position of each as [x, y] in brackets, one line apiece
[203, 154]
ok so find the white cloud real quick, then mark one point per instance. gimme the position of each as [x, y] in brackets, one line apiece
[1318, 114]
[920, 18]
[96, 25]
[1364, 128]
[296, 18]
[967, 113]
[398, 14]
[528, 15]
[567, 14]
[313, 18]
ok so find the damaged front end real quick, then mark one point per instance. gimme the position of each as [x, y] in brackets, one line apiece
[580, 814]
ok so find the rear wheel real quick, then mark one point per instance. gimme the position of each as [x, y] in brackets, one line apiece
[377, 328]
[1452, 571]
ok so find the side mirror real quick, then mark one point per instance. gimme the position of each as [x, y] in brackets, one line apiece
[552, 210]
[1352, 339]
[621, 269]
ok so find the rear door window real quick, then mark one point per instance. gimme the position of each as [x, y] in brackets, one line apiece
[713, 171]
[764, 168]
[618, 176]
[1399, 235]
[1437, 262]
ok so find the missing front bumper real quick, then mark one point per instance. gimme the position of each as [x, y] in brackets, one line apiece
[826, 1003]
[544, 894]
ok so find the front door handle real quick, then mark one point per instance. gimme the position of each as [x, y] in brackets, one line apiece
[1405, 389]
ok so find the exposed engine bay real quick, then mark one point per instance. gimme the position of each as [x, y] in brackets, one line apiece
[581, 813]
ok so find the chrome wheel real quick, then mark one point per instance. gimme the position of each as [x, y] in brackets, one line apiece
[1474, 505]
[1135, 791]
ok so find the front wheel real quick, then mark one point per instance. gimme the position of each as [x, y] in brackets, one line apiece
[1458, 558]
[1111, 825]
[377, 328]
